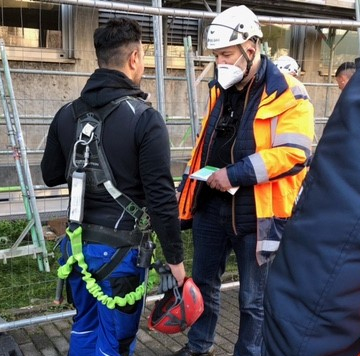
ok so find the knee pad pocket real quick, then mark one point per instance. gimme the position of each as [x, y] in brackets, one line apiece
[123, 285]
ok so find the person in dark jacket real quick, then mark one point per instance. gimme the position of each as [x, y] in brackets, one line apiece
[258, 133]
[136, 144]
[312, 299]
[344, 73]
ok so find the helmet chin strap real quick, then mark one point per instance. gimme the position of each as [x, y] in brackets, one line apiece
[249, 62]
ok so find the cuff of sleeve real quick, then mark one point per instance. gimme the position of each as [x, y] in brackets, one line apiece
[174, 253]
[175, 260]
[182, 183]
[233, 176]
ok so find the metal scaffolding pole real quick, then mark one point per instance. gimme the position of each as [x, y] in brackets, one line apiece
[159, 60]
[330, 41]
[38, 248]
[191, 86]
[163, 11]
[218, 6]
[357, 11]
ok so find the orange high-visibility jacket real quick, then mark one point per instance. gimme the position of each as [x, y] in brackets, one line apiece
[283, 127]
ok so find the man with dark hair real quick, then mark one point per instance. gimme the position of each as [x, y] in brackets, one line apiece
[100, 254]
[343, 74]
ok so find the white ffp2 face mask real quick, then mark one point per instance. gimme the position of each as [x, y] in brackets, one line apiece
[229, 74]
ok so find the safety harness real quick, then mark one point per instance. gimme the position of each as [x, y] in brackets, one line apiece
[89, 169]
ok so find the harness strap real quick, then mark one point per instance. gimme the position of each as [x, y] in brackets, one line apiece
[115, 261]
[105, 176]
[140, 215]
[122, 240]
[115, 238]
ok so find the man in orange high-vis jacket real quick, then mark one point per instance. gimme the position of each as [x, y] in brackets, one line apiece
[258, 132]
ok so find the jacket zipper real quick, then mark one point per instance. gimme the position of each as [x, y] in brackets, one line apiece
[207, 155]
[233, 216]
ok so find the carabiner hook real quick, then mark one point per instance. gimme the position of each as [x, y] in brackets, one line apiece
[82, 142]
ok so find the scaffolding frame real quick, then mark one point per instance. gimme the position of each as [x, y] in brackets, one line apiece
[29, 197]
[38, 247]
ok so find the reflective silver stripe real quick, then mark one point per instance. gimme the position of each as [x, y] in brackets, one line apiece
[273, 125]
[299, 194]
[187, 170]
[104, 353]
[82, 332]
[292, 139]
[259, 168]
[267, 245]
[131, 106]
[112, 190]
[300, 91]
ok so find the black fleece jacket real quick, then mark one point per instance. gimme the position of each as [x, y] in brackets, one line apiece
[138, 153]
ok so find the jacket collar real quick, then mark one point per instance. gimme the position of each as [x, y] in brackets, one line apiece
[105, 85]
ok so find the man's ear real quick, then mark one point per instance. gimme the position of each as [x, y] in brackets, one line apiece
[133, 59]
[250, 51]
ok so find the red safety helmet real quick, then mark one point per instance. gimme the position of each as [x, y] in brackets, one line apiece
[178, 309]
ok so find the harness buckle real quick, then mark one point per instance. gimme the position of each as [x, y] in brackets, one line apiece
[143, 223]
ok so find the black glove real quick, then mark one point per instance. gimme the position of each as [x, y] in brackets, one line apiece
[167, 280]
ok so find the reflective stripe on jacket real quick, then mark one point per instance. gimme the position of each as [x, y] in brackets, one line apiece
[283, 127]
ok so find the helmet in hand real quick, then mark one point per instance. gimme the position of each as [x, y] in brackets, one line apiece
[178, 309]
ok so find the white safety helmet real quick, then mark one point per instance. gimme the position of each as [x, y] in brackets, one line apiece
[288, 65]
[233, 26]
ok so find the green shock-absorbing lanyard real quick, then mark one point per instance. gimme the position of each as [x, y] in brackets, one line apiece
[91, 285]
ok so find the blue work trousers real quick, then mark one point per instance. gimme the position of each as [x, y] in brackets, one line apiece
[213, 241]
[98, 330]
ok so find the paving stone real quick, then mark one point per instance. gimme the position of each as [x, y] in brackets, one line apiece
[52, 339]
[21, 336]
[49, 352]
[51, 330]
[143, 336]
[41, 341]
[29, 349]
[61, 344]
[8, 346]
[63, 324]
